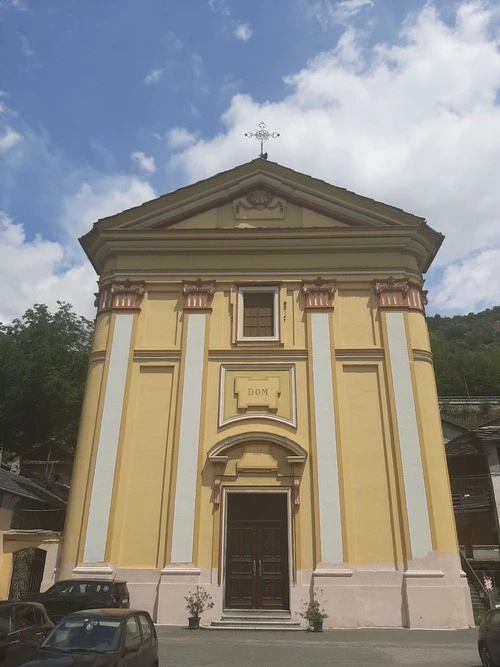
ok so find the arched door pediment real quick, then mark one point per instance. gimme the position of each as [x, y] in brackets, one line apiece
[253, 460]
[219, 452]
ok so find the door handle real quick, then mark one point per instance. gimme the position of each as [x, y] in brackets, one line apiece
[254, 568]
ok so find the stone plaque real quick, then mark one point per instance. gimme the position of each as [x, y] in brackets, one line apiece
[253, 392]
[257, 392]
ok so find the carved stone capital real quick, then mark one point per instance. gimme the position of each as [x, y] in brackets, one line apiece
[400, 293]
[197, 294]
[319, 293]
[120, 295]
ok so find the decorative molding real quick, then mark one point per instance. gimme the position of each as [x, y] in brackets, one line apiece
[329, 497]
[94, 357]
[296, 492]
[267, 411]
[421, 574]
[334, 572]
[319, 293]
[96, 536]
[198, 294]
[184, 571]
[400, 293]
[423, 355]
[217, 453]
[157, 355]
[189, 438]
[256, 201]
[100, 569]
[406, 422]
[123, 295]
[217, 492]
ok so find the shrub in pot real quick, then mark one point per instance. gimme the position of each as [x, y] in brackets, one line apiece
[197, 602]
[314, 613]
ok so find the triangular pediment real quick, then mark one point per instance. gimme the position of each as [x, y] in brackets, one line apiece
[257, 205]
[259, 194]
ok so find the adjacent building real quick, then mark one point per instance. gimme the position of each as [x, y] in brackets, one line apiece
[261, 416]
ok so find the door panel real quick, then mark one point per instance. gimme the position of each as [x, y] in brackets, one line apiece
[240, 580]
[257, 553]
[272, 567]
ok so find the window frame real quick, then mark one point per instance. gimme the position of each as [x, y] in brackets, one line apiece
[11, 609]
[136, 636]
[257, 289]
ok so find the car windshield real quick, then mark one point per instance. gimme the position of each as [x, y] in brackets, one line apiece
[85, 634]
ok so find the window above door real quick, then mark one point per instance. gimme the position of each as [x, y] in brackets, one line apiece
[258, 308]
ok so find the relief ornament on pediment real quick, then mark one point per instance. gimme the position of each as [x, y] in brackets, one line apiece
[259, 203]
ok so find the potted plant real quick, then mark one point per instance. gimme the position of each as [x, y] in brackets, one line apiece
[314, 614]
[197, 602]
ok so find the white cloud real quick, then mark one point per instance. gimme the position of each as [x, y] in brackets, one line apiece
[104, 196]
[26, 47]
[9, 139]
[330, 12]
[45, 271]
[153, 77]
[14, 4]
[144, 162]
[194, 110]
[180, 137]
[240, 30]
[243, 32]
[394, 122]
[471, 284]
[220, 7]
[36, 271]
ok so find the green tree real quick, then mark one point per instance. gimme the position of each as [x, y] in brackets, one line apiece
[43, 366]
[466, 351]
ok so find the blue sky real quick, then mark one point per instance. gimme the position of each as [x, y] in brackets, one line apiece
[108, 103]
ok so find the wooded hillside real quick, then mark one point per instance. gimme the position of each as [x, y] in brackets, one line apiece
[466, 351]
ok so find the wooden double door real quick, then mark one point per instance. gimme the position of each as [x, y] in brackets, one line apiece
[257, 575]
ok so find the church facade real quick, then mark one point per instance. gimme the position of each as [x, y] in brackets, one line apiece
[260, 416]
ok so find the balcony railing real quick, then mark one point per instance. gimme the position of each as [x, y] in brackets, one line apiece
[481, 552]
[471, 494]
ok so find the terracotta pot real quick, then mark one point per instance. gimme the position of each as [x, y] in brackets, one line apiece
[194, 623]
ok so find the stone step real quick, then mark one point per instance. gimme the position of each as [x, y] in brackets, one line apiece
[245, 619]
[255, 624]
[264, 627]
[256, 619]
[279, 616]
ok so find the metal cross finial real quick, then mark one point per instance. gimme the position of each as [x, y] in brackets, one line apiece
[262, 135]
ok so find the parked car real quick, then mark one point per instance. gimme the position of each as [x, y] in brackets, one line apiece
[70, 595]
[100, 637]
[488, 642]
[22, 625]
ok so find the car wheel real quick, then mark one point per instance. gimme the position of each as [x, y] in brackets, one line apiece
[485, 656]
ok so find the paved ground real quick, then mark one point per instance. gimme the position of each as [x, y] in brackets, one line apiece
[413, 648]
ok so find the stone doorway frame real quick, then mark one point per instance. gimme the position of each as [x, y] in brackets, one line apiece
[262, 490]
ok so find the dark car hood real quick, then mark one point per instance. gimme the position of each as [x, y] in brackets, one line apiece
[57, 659]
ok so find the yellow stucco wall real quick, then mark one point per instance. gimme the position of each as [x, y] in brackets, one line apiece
[372, 503]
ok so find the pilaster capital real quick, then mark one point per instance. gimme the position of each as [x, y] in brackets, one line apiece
[319, 293]
[400, 293]
[119, 295]
[198, 294]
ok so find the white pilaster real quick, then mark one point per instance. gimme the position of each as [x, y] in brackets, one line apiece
[411, 458]
[107, 448]
[326, 441]
[189, 437]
